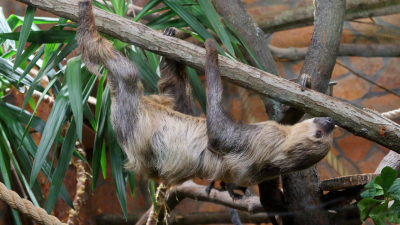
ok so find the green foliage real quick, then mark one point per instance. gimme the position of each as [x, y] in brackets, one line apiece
[388, 185]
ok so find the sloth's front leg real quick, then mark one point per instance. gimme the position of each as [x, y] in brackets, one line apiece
[174, 82]
[224, 135]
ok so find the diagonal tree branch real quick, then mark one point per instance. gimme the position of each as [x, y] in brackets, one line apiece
[303, 16]
[365, 123]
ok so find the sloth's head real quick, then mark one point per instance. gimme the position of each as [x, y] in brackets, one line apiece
[310, 141]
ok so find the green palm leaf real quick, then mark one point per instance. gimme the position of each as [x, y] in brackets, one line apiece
[67, 150]
[24, 34]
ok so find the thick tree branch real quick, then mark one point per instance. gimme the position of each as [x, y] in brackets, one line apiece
[364, 50]
[301, 17]
[365, 123]
[302, 191]
[256, 40]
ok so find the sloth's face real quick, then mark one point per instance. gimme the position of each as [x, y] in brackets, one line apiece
[310, 141]
[323, 126]
[317, 130]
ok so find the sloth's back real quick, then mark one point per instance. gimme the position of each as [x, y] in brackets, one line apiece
[165, 144]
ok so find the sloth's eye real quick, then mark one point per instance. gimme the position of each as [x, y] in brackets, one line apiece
[319, 134]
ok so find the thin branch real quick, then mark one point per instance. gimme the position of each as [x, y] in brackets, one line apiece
[363, 50]
[301, 17]
[197, 192]
[365, 123]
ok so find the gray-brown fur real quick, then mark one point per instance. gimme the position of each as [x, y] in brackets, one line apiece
[174, 82]
[167, 145]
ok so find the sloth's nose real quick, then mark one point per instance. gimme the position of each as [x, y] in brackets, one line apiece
[329, 120]
[328, 124]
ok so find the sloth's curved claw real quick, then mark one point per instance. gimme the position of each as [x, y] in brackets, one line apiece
[170, 31]
[209, 187]
[305, 81]
[234, 196]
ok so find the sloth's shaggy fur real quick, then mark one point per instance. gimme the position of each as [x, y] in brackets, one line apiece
[173, 147]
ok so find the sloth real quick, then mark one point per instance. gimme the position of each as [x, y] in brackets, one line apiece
[172, 147]
[176, 92]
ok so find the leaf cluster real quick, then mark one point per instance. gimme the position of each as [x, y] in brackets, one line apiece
[386, 186]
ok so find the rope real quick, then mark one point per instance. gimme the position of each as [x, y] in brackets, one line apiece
[74, 215]
[26, 207]
[392, 114]
[336, 165]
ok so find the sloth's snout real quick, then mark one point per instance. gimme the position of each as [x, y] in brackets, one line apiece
[328, 124]
[325, 123]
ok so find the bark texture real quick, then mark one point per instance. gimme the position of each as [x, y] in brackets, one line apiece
[347, 182]
[303, 197]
